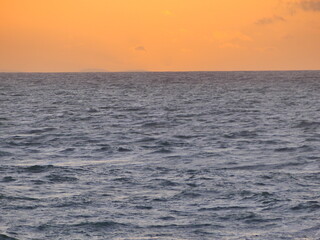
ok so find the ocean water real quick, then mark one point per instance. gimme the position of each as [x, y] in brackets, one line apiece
[198, 155]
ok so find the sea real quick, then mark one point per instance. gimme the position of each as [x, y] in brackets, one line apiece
[160, 156]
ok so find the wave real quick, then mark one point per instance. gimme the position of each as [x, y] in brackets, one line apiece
[308, 125]
[241, 134]
[8, 179]
[38, 168]
[55, 178]
[203, 225]
[102, 224]
[307, 206]
[40, 130]
[263, 167]
[5, 154]
[223, 208]
[6, 237]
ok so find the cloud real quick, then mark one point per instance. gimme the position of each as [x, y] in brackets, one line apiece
[309, 5]
[268, 21]
[305, 5]
[140, 48]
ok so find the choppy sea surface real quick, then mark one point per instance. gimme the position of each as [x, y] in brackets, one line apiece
[190, 155]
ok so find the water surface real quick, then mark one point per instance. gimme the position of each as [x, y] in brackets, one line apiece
[202, 155]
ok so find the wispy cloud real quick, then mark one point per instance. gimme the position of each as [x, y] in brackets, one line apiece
[309, 5]
[268, 21]
[305, 5]
[140, 48]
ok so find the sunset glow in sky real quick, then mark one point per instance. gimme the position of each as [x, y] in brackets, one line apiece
[159, 35]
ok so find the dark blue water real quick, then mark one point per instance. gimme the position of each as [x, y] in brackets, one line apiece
[203, 155]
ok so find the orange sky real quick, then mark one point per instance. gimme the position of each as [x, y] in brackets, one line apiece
[159, 35]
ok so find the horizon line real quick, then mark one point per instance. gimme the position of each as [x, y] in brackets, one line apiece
[182, 71]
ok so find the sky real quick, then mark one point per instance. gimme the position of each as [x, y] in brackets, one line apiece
[159, 35]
